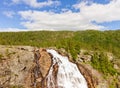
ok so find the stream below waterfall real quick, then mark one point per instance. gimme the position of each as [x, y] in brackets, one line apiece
[68, 75]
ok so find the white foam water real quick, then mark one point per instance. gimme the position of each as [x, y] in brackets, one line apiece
[68, 75]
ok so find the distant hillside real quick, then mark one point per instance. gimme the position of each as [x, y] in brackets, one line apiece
[71, 41]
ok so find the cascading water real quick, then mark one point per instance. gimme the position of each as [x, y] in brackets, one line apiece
[68, 75]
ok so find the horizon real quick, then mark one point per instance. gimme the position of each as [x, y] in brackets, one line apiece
[42, 30]
[59, 15]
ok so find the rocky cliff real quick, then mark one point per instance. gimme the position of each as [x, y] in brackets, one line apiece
[27, 67]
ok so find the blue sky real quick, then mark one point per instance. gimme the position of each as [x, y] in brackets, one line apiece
[19, 15]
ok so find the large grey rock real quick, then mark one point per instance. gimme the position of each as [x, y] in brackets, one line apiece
[15, 64]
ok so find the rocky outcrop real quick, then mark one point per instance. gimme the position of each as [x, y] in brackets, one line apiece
[94, 78]
[88, 76]
[40, 70]
[15, 65]
[27, 67]
[24, 67]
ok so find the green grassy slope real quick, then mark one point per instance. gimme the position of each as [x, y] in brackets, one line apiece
[71, 41]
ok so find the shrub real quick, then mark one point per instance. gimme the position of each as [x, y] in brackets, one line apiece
[100, 62]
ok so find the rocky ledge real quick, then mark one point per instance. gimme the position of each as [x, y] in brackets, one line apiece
[27, 67]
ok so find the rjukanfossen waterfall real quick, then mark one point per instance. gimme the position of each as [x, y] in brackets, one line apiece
[68, 75]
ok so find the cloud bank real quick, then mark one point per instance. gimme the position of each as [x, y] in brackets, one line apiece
[99, 12]
[69, 20]
[55, 21]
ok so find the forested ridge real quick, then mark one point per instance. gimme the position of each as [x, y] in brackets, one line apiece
[72, 41]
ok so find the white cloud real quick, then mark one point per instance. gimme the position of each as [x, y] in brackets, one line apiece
[50, 20]
[68, 20]
[36, 4]
[9, 14]
[99, 12]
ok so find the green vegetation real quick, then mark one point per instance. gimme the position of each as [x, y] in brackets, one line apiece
[72, 42]
[100, 62]
[95, 40]
[1, 56]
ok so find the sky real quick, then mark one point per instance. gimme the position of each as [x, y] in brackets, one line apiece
[57, 15]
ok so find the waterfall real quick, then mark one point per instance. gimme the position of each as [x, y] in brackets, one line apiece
[68, 75]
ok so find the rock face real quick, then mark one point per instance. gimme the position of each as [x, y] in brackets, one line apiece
[27, 67]
[93, 77]
[42, 63]
[23, 67]
[15, 64]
